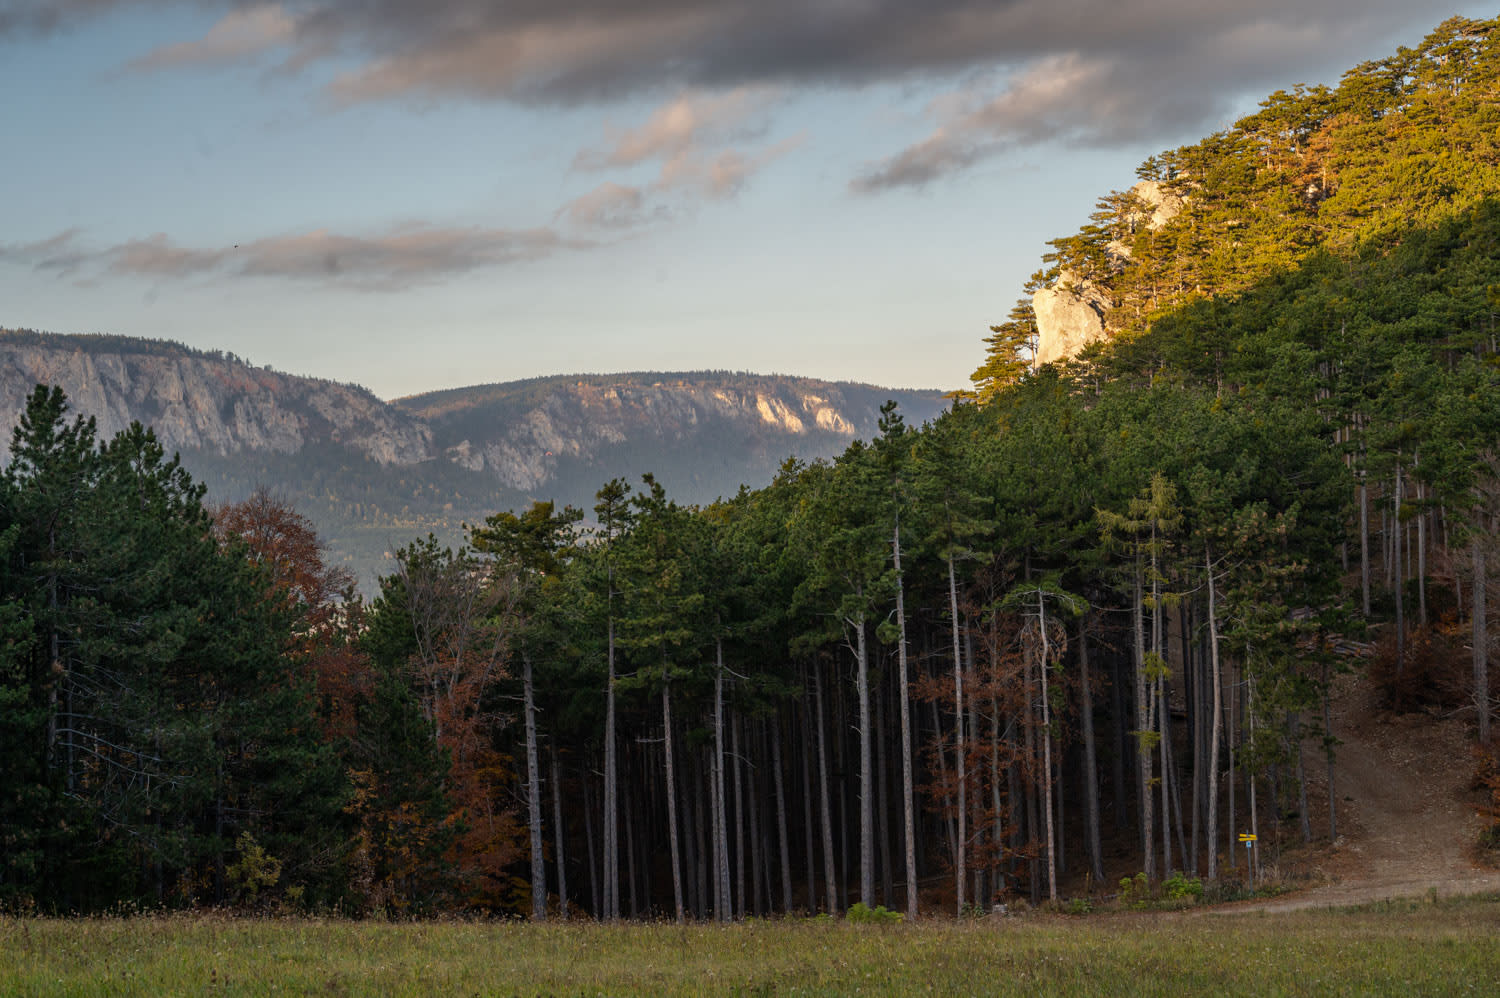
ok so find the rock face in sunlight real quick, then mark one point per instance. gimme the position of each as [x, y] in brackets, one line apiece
[1069, 316]
[1070, 312]
[697, 431]
[204, 402]
[374, 474]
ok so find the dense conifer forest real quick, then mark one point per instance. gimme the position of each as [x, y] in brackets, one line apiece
[1085, 621]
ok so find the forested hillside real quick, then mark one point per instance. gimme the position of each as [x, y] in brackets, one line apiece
[1082, 625]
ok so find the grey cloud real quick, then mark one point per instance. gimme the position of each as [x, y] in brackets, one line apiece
[1190, 58]
[610, 206]
[242, 33]
[404, 257]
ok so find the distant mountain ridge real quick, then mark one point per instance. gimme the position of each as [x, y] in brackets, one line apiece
[374, 474]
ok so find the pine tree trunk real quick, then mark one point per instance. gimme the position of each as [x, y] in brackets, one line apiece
[720, 818]
[1364, 544]
[1143, 730]
[781, 825]
[1306, 819]
[534, 797]
[735, 765]
[557, 833]
[595, 887]
[1090, 760]
[960, 861]
[908, 791]
[611, 786]
[1481, 639]
[1398, 585]
[1041, 606]
[810, 870]
[866, 770]
[666, 724]
[830, 883]
[1217, 684]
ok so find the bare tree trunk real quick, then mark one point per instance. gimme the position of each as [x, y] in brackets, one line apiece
[557, 833]
[1480, 619]
[1399, 585]
[596, 888]
[808, 821]
[781, 826]
[960, 859]
[866, 770]
[1364, 544]
[666, 724]
[1041, 608]
[1306, 822]
[1143, 731]
[830, 882]
[722, 904]
[1090, 760]
[611, 786]
[1217, 683]
[736, 764]
[908, 792]
[534, 797]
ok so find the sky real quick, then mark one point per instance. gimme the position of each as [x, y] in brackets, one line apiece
[423, 194]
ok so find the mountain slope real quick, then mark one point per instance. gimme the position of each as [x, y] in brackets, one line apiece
[374, 475]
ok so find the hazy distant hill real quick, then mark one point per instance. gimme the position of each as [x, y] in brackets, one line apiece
[373, 475]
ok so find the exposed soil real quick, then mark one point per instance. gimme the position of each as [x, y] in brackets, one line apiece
[1406, 817]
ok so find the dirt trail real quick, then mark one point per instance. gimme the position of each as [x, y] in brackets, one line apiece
[1406, 820]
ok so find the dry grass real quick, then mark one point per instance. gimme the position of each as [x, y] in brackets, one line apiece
[1420, 947]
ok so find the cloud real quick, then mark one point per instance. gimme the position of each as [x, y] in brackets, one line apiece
[609, 206]
[691, 139]
[1134, 70]
[1082, 99]
[241, 34]
[401, 258]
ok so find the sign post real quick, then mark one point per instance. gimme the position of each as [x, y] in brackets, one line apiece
[1249, 839]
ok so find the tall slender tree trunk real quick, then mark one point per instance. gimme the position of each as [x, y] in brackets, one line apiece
[666, 724]
[595, 886]
[534, 797]
[611, 784]
[735, 765]
[1306, 819]
[1399, 584]
[720, 818]
[866, 768]
[830, 881]
[960, 860]
[1364, 543]
[1041, 607]
[809, 822]
[908, 792]
[1143, 730]
[781, 825]
[1090, 760]
[1481, 639]
[557, 833]
[1217, 684]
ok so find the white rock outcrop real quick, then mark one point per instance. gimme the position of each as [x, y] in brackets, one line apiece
[201, 402]
[1070, 313]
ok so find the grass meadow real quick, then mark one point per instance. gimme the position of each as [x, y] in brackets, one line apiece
[1447, 947]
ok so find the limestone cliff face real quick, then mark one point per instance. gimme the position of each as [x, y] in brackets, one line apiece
[1070, 313]
[526, 438]
[202, 402]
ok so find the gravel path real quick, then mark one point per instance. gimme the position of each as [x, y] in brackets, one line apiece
[1405, 811]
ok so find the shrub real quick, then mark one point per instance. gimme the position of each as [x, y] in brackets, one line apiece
[861, 913]
[1177, 887]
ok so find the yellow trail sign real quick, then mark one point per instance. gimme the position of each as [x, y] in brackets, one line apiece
[1246, 837]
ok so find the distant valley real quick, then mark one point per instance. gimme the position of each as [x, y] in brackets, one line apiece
[374, 474]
